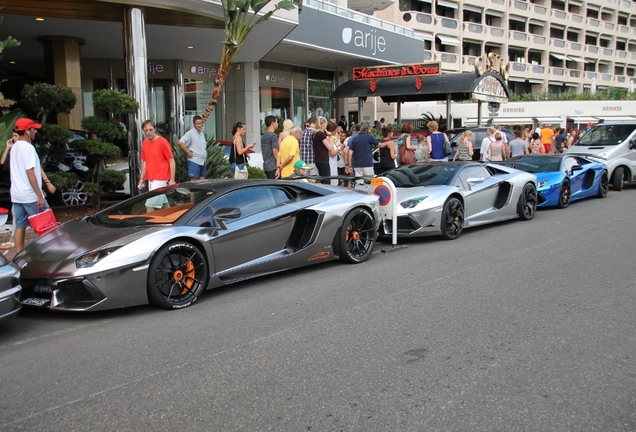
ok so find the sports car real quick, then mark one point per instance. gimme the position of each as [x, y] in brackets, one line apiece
[445, 198]
[9, 289]
[564, 178]
[167, 246]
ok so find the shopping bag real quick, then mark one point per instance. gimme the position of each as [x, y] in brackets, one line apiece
[43, 222]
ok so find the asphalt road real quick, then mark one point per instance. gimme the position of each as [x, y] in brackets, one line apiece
[517, 326]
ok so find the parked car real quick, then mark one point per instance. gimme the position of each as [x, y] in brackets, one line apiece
[206, 234]
[614, 144]
[445, 198]
[564, 178]
[10, 289]
[479, 133]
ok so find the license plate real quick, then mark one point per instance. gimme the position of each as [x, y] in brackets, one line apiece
[34, 301]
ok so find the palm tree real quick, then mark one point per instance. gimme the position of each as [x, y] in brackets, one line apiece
[239, 16]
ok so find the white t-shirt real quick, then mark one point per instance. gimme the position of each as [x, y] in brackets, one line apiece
[485, 144]
[504, 137]
[23, 158]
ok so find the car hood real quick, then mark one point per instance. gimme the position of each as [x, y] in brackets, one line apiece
[549, 175]
[77, 237]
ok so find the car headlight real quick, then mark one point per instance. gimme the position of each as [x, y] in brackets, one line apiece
[410, 203]
[89, 259]
[603, 155]
[542, 183]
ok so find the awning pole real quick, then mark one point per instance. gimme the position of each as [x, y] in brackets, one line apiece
[399, 111]
[448, 111]
[360, 103]
[478, 113]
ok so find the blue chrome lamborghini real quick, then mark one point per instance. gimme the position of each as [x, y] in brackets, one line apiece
[563, 178]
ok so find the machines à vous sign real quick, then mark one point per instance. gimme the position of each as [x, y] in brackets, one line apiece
[397, 71]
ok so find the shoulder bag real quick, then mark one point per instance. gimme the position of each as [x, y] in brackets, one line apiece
[239, 174]
[447, 147]
[407, 156]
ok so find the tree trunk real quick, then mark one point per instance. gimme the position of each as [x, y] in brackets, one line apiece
[227, 59]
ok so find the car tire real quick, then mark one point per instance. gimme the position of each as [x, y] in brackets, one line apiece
[603, 186]
[617, 179]
[74, 195]
[564, 194]
[177, 275]
[527, 204]
[452, 222]
[357, 236]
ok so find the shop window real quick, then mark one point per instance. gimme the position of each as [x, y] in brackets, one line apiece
[274, 101]
[197, 97]
[319, 98]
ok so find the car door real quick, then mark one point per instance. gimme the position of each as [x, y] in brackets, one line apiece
[261, 230]
[576, 177]
[479, 198]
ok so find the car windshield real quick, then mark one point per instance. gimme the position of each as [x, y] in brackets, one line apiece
[606, 135]
[422, 175]
[161, 206]
[537, 164]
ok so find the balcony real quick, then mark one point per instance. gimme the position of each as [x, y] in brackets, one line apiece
[606, 77]
[539, 40]
[468, 63]
[558, 44]
[449, 23]
[520, 5]
[450, 61]
[609, 26]
[620, 79]
[607, 52]
[518, 36]
[558, 15]
[592, 49]
[519, 70]
[623, 29]
[537, 71]
[497, 34]
[429, 56]
[575, 74]
[540, 10]
[556, 72]
[593, 22]
[576, 19]
[474, 28]
[621, 54]
[626, 4]
[575, 46]
[633, 56]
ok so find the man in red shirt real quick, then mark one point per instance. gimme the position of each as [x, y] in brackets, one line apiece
[546, 138]
[157, 165]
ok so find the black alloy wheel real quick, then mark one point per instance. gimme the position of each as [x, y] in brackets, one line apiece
[564, 194]
[603, 186]
[527, 205]
[177, 275]
[452, 222]
[617, 179]
[357, 236]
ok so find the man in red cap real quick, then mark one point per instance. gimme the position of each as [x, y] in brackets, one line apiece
[26, 179]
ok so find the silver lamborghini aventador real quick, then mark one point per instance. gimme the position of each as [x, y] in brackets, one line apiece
[167, 246]
[445, 198]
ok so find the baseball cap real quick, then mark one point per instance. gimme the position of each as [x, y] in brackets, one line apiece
[26, 123]
[300, 165]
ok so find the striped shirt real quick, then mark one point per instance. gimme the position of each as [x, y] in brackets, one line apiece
[307, 146]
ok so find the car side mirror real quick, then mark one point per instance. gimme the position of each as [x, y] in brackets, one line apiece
[472, 181]
[632, 144]
[577, 168]
[225, 213]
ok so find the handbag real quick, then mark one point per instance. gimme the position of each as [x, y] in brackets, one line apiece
[407, 156]
[43, 222]
[447, 148]
[239, 174]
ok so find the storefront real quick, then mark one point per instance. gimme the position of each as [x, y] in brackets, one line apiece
[293, 92]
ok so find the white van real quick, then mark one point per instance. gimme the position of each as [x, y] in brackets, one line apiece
[615, 145]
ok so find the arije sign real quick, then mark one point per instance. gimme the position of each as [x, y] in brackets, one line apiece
[397, 71]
